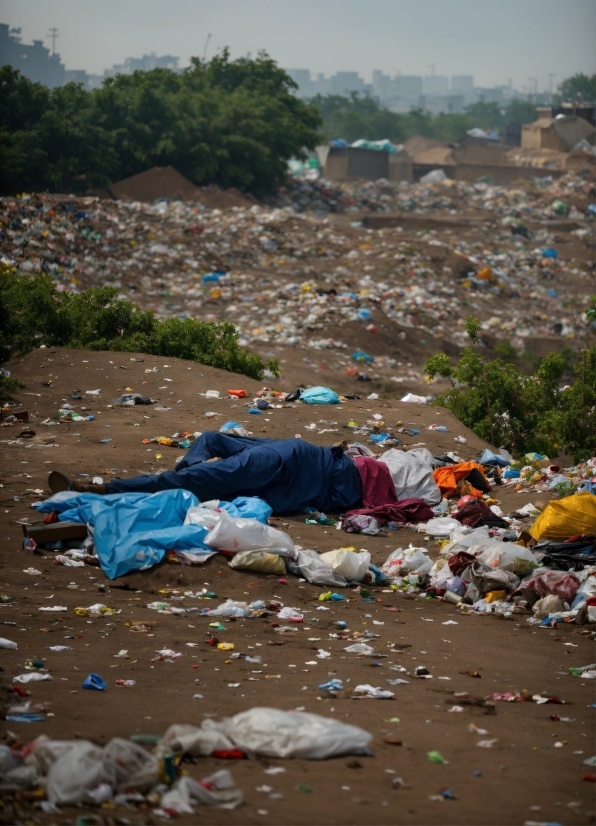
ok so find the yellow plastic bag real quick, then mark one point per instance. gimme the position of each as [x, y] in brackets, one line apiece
[259, 561]
[562, 518]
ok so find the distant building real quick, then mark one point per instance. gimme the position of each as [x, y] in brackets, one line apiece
[435, 85]
[143, 64]
[34, 62]
[344, 83]
[408, 86]
[463, 84]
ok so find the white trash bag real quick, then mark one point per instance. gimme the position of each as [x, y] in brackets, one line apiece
[233, 534]
[349, 564]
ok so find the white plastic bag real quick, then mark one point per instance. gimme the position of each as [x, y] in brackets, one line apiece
[216, 790]
[440, 526]
[349, 564]
[197, 742]
[136, 768]
[83, 766]
[236, 534]
[506, 556]
[315, 570]
[230, 608]
[273, 733]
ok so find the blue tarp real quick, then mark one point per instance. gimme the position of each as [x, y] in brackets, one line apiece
[133, 531]
[319, 395]
[289, 474]
[490, 458]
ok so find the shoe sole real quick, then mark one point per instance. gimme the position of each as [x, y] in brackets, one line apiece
[58, 482]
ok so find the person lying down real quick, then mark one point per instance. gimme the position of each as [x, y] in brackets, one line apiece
[289, 474]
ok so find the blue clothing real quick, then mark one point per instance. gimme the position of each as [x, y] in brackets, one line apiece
[289, 474]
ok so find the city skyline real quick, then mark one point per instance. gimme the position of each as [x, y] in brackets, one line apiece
[534, 44]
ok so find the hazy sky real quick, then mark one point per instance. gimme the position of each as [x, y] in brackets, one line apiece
[493, 40]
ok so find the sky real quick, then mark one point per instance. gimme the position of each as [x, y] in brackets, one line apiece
[493, 40]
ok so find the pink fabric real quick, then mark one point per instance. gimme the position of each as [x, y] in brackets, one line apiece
[377, 485]
[559, 583]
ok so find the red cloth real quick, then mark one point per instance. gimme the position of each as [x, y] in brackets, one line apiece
[406, 510]
[377, 485]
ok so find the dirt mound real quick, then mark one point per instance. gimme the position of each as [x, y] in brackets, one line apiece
[158, 182]
[418, 143]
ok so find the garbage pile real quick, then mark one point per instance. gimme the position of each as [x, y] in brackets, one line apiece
[149, 773]
[536, 560]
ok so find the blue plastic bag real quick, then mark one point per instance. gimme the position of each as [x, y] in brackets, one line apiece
[319, 395]
[94, 682]
[490, 458]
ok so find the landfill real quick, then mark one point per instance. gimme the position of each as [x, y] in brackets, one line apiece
[356, 279]
[164, 652]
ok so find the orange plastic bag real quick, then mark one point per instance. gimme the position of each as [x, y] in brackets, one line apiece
[573, 516]
[240, 393]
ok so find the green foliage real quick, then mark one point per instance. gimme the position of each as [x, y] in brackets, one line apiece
[527, 413]
[579, 88]
[233, 123]
[33, 312]
[355, 117]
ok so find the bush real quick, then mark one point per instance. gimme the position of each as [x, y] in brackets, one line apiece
[33, 312]
[522, 413]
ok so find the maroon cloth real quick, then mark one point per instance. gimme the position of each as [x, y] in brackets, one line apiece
[406, 510]
[475, 514]
[459, 562]
[377, 485]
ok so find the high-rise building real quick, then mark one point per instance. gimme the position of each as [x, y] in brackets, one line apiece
[463, 84]
[435, 85]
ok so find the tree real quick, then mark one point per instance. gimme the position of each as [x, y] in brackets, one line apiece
[578, 88]
[520, 111]
[486, 115]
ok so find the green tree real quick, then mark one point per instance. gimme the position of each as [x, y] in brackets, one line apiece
[520, 111]
[486, 115]
[578, 88]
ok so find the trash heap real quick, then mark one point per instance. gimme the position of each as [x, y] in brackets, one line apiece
[147, 771]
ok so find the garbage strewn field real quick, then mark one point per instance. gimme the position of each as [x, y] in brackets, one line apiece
[385, 271]
[477, 713]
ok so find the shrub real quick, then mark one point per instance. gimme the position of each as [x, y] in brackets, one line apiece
[518, 412]
[33, 312]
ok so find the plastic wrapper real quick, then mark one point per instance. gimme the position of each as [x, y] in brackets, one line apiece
[260, 562]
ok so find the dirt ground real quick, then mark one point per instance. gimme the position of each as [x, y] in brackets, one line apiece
[533, 772]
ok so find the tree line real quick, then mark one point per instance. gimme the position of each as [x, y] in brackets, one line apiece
[235, 123]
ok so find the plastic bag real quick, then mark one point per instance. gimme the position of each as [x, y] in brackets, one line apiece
[233, 535]
[562, 518]
[196, 742]
[81, 767]
[440, 526]
[308, 564]
[136, 768]
[230, 608]
[216, 790]
[548, 605]
[507, 556]
[401, 562]
[319, 395]
[560, 583]
[270, 732]
[486, 579]
[349, 564]
[259, 561]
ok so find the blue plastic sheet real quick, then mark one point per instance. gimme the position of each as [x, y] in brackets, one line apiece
[133, 531]
[490, 458]
[319, 395]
